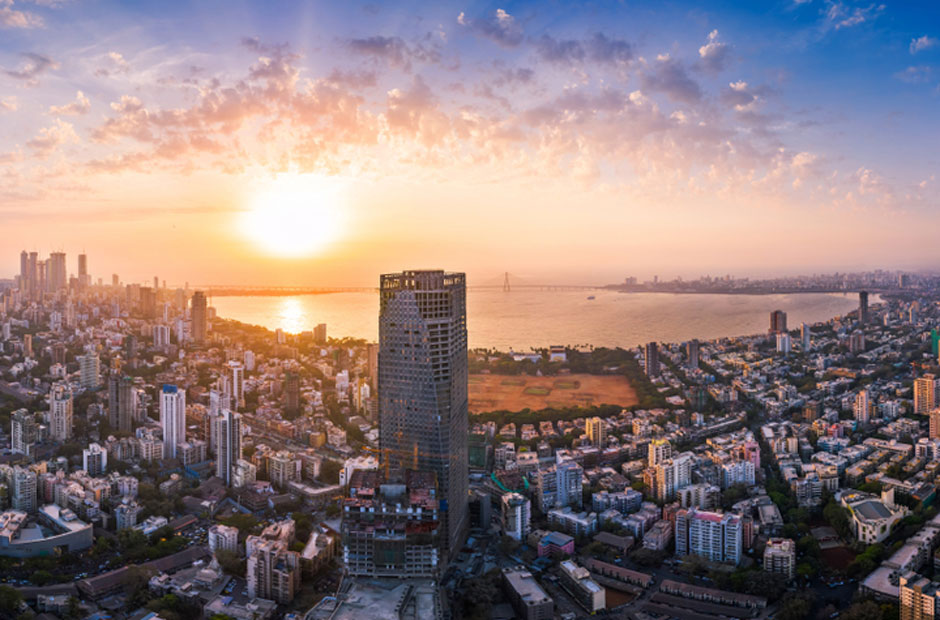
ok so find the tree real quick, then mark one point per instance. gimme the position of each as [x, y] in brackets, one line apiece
[329, 471]
[864, 610]
[10, 601]
[230, 562]
[796, 606]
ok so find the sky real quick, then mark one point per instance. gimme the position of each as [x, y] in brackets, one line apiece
[323, 143]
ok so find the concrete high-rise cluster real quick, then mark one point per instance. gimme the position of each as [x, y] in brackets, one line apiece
[778, 322]
[423, 380]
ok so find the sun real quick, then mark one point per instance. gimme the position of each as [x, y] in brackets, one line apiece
[295, 215]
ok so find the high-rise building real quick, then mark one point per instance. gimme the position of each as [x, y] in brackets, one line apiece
[24, 273]
[291, 393]
[692, 354]
[652, 359]
[778, 322]
[517, 515]
[199, 317]
[60, 412]
[228, 444]
[715, 536]
[172, 419]
[24, 432]
[273, 572]
[122, 402]
[596, 432]
[89, 370]
[57, 274]
[423, 415]
[934, 431]
[919, 597]
[24, 490]
[862, 408]
[806, 337]
[319, 334]
[223, 538]
[863, 307]
[784, 345]
[780, 557]
[84, 280]
[237, 382]
[95, 460]
[559, 486]
[658, 451]
[925, 390]
[672, 475]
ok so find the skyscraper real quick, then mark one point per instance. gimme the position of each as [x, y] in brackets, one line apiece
[237, 384]
[778, 321]
[691, 352]
[652, 359]
[122, 402]
[56, 275]
[228, 444]
[805, 337]
[199, 317]
[83, 279]
[172, 419]
[863, 307]
[423, 385]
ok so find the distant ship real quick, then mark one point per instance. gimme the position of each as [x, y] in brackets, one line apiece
[590, 297]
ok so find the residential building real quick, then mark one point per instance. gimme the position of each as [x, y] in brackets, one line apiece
[172, 419]
[528, 598]
[780, 557]
[576, 580]
[715, 536]
[517, 515]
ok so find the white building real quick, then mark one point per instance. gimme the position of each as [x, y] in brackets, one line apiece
[223, 538]
[780, 557]
[172, 419]
[60, 412]
[517, 515]
[95, 460]
[89, 368]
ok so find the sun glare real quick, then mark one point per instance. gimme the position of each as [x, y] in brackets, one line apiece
[295, 216]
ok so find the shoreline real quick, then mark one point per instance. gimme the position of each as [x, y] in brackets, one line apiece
[877, 299]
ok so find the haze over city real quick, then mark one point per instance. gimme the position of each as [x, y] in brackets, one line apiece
[316, 143]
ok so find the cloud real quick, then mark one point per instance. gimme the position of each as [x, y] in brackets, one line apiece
[599, 48]
[80, 106]
[111, 64]
[499, 27]
[50, 138]
[668, 76]
[841, 16]
[33, 66]
[8, 104]
[394, 51]
[925, 42]
[714, 54]
[12, 18]
[915, 74]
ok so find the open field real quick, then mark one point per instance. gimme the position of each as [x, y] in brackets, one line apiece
[499, 392]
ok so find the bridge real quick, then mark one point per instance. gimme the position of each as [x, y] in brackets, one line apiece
[506, 283]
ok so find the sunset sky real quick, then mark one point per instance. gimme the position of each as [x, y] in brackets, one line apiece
[324, 143]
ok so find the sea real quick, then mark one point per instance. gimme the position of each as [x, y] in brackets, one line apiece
[523, 320]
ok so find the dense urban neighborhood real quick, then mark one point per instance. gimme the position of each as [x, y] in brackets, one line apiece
[161, 462]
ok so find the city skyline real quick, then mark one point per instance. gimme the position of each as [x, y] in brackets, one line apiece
[790, 137]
